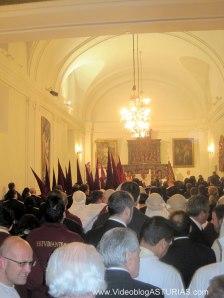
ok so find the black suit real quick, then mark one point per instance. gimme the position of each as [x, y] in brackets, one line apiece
[187, 256]
[198, 235]
[94, 236]
[121, 284]
[136, 223]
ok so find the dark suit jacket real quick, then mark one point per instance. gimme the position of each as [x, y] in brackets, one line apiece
[136, 223]
[120, 282]
[187, 256]
[197, 235]
[94, 236]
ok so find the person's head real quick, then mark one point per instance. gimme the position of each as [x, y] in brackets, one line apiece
[82, 274]
[131, 187]
[33, 191]
[198, 208]
[54, 207]
[84, 188]
[120, 204]
[221, 201]
[16, 260]
[217, 217]
[11, 186]
[27, 223]
[202, 190]
[96, 196]
[193, 191]
[156, 235]
[181, 223]
[6, 216]
[177, 202]
[26, 192]
[216, 287]
[213, 190]
[120, 248]
[79, 198]
[58, 187]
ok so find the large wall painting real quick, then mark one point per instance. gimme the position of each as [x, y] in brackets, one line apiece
[102, 147]
[183, 153]
[45, 145]
[221, 153]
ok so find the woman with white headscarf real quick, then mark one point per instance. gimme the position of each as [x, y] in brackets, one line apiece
[156, 206]
[176, 202]
[87, 213]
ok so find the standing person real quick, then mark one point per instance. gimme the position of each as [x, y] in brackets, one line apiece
[198, 210]
[184, 249]
[120, 250]
[16, 260]
[84, 266]
[44, 240]
[120, 208]
[156, 237]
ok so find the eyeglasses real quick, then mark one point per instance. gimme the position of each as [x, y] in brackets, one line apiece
[21, 264]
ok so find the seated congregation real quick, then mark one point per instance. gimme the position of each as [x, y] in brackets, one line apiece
[154, 241]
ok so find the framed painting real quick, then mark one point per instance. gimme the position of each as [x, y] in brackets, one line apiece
[102, 147]
[45, 146]
[183, 153]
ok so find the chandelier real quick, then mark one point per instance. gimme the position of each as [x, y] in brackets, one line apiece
[136, 115]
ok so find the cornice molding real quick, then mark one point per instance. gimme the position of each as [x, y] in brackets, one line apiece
[72, 18]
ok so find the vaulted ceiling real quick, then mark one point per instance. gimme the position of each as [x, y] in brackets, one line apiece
[183, 71]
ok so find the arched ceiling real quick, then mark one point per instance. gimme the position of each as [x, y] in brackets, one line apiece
[180, 69]
[182, 63]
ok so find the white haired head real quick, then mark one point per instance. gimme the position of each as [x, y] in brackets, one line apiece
[75, 269]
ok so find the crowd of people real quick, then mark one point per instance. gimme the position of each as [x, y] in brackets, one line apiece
[154, 241]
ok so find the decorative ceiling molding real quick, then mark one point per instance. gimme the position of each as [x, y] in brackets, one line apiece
[72, 18]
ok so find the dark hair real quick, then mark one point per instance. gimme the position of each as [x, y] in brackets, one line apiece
[219, 211]
[132, 188]
[118, 201]
[193, 191]
[143, 197]
[181, 222]
[27, 222]
[203, 190]
[58, 187]
[54, 207]
[25, 192]
[84, 187]
[94, 197]
[11, 185]
[6, 216]
[196, 204]
[155, 229]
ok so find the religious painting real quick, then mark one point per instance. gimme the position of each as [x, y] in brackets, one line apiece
[183, 153]
[144, 151]
[102, 147]
[221, 153]
[45, 146]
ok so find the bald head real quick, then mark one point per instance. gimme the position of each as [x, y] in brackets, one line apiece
[12, 245]
[16, 258]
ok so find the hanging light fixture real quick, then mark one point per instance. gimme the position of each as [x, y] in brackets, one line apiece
[136, 115]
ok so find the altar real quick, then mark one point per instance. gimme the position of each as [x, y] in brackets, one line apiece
[144, 160]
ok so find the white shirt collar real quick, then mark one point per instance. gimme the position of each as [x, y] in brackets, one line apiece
[181, 237]
[147, 252]
[197, 223]
[117, 220]
[117, 268]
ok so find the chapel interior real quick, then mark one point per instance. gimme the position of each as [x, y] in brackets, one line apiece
[70, 62]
